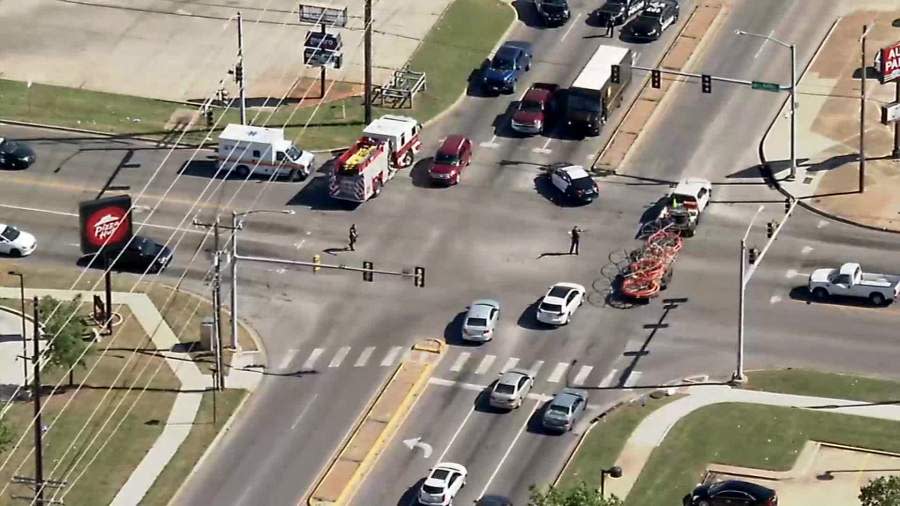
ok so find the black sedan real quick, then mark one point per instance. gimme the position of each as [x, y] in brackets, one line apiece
[553, 12]
[654, 20]
[731, 492]
[15, 154]
[140, 255]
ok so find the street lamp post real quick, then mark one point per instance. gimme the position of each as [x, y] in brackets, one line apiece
[24, 339]
[739, 376]
[236, 225]
[793, 89]
[614, 471]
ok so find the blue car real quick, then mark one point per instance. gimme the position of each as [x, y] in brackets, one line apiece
[507, 65]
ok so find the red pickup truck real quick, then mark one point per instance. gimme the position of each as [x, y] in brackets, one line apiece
[535, 109]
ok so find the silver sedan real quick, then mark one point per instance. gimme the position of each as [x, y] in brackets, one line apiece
[481, 319]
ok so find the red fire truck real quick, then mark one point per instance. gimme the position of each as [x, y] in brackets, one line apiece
[388, 143]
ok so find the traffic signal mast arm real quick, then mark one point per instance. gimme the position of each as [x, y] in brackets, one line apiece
[321, 265]
[699, 76]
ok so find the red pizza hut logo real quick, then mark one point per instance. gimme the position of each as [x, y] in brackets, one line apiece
[105, 223]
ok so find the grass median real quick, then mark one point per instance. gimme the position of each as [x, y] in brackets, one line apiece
[456, 44]
[824, 384]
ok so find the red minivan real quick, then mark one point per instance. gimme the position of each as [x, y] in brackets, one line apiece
[453, 155]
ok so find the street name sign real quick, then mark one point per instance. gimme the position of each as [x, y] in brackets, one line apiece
[762, 85]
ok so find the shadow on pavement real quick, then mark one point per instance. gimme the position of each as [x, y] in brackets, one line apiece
[411, 496]
[802, 294]
[419, 173]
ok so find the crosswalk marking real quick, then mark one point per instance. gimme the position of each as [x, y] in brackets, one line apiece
[608, 379]
[558, 372]
[364, 356]
[536, 367]
[339, 356]
[311, 360]
[633, 378]
[485, 364]
[391, 356]
[460, 361]
[511, 363]
[286, 361]
[582, 375]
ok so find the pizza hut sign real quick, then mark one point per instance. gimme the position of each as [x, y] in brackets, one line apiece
[105, 223]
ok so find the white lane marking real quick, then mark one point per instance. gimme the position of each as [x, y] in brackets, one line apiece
[475, 387]
[485, 364]
[491, 143]
[762, 46]
[571, 25]
[608, 379]
[775, 299]
[339, 356]
[460, 361]
[288, 358]
[136, 224]
[806, 250]
[303, 411]
[311, 360]
[589, 156]
[509, 449]
[582, 375]
[74, 244]
[299, 244]
[822, 224]
[511, 363]
[632, 378]
[536, 367]
[364, 356]
[793, 273]
[391, 356]
[456, 434]
[558, 372]
[543, 149]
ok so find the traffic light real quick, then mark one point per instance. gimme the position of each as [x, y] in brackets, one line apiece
[419, 280]
[770, 229]
[752, 254]
[367, 273]
[655, 77]
[706, 83]
[787, 205]
[239, 72]
[209, 118]
[615, 75]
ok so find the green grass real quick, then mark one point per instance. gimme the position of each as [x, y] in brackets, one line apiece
[456, 45]
[765, 437]
[604, 443]
[824, 384]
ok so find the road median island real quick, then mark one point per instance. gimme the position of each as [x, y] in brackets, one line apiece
[676, 58]
[385, 414]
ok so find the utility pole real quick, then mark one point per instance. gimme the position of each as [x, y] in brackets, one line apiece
[896, 152]
[793, 174]
[322, 67]
[235, 226]
[38, 426]
[862, 111]
[368, 62]
[239, 71]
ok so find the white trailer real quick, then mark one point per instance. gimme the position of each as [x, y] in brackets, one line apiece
[245, 150]
[850, 281]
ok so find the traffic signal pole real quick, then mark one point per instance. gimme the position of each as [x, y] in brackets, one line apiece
[239, 71]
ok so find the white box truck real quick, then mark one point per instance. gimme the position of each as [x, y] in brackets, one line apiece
[245, 150]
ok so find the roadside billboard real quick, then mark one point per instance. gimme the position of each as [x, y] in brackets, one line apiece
[105, 223]
[887, 62]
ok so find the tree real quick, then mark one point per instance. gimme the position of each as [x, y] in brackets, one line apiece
[579, 495]
[883, 491]
[64, 329]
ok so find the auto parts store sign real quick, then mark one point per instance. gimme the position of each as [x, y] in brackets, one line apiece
[887, 62]
[105, 223]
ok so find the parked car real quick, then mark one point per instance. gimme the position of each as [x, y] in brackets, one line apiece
[535, 110]
[444, 481]
[451, 158]
[15, 154]
[481, 319]
[574, 182]
[565, 409]
[506, 67]
[15, 242]
[510, 390]
[850, 281]
[553, 12]
[141, 254]
[560, 303]
[731, 493]
[654, 19]
[619, 10]
[494, 500]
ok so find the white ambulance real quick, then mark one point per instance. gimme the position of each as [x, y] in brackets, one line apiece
[245, 149]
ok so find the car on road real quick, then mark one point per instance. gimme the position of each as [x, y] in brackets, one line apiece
[451, 158]
[731, 492]
[654, 19]
[560, 303]
[494, 500]
[15, 154]
[510, 390]
[480, 321]
[618, 10]
[507, 66]
[15, 242]
[564, 410]
[553, 12]
[140, 255]
[850, 281]
[535, 110]
[444, 481]
[574, 182]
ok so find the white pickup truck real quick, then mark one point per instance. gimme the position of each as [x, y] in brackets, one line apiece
[851, 281]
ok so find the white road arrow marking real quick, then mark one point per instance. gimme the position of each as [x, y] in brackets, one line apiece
[417, 442]
[806, 250]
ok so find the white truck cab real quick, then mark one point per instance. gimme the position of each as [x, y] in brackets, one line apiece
[246, 150]
[850, 281]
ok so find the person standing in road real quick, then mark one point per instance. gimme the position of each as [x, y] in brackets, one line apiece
[610, 27]
[576, 238]
[353, 235]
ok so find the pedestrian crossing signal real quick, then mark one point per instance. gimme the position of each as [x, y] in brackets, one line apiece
[615, 75]
[367, 272]
[655, 78]
[706, 83]
[419, 279]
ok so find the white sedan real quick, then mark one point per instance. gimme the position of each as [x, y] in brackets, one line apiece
[16, 243]
[442, 484]
[560, 303]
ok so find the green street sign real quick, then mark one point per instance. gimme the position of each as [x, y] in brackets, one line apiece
[761, 85]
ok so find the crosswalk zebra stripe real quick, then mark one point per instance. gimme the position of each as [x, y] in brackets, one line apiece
[633, 378]
[364, 356]
[607, 381]
[582, 375]
[558, 372]
[311, 360]
[511, 363]
[339, 356]
[536, 367]
[485, 364]
[391, 356]
[460, 361]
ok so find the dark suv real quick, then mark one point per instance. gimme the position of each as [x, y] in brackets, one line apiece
[653, 21]
[553, 12]
[731, 493]
[139, 255]
[505, 68]
[618, 11]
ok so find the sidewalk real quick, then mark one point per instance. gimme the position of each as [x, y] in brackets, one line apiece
[11, 371]
[653, 430]
[828, 129]
[187, 402]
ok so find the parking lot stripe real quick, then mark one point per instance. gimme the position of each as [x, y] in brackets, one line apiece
[339, 356]
[511, 363]
[608, 379]
[460, 361]
[391, 356]
[558, 372]
[536, 367]
[364, 356]
[485, 364]
[582, 375]
[311, 360]
[633, 378]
